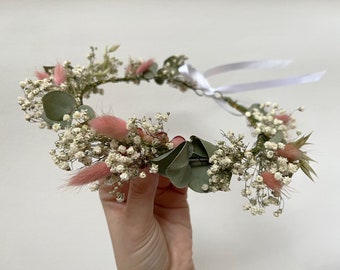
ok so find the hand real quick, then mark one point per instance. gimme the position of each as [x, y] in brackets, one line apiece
[152, 229]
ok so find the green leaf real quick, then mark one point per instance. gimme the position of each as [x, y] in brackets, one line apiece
[208, 147]
[56, 104]
[113, 48]
[278, 137]
[198, 178]
[307, 169]
[50, 122]
[198, 148]
[187, 164]
[179, 170]
[302, 141]
[90, 112]
[148, 75]
[151, 72]
[163, 161]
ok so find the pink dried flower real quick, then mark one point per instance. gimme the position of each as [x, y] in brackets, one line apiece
[290, 152]
[285, 118]
[41, 75]
[59, 74]
[144, 66]
[271, 182]
[110, 126]
[90, 174]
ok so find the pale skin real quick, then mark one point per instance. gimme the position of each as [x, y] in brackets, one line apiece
[152, 229]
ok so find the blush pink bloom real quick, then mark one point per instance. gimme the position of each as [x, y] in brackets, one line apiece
[271, 182]
[290, 152]
[285, 118]
[144, 66]
[59, 74]
[41, 75]
[110, 126]
[90, 174]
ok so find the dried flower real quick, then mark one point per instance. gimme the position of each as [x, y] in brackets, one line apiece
[90, 174]
[291, 152]
[143, 67]
[59, 74]
[42, 75]
[110, 126]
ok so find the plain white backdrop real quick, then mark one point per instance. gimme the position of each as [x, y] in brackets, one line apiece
[43, 227]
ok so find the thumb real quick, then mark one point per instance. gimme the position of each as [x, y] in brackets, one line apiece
[141, 195]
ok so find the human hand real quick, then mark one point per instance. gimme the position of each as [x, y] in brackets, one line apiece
[152, 229]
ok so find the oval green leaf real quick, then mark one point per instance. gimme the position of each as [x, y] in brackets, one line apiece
[56, 104]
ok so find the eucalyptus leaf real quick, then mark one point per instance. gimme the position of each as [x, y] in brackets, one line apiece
[198, 148]
[163, 161]
[198, 177]
[56, 104]
[50, 122]
[209, 147]
[187, 164]
[153, 68]
[90, 112]
[278, 137]
[179, 170]
[149, 75]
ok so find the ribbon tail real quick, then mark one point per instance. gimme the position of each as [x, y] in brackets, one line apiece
[237, 88]
[246, 65]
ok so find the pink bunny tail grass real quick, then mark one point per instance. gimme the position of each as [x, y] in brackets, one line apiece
[110, 126]
[59, 74]
[144, 66]
[90, 174]
[41, 75]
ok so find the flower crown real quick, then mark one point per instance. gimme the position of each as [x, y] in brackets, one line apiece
[112, 151]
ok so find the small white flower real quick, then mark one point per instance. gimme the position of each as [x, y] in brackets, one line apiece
[97, 149]
[66, 117]
[154, 168]
[79, 155]
[56, 126]
[278, 176]
[205, 187]
[76, 115]
[130, 150]
[119, 168]
[124, 176]
[270, 154]
[121, 149]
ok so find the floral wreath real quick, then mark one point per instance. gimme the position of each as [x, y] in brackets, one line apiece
[113, 152]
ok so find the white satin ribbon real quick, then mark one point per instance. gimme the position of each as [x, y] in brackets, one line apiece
[202, 83]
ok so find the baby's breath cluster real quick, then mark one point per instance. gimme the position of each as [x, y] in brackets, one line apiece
[267, 167]
[226, 161]
[77, 143]
[145, 140]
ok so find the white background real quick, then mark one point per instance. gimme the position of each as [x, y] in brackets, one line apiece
[43, 227]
